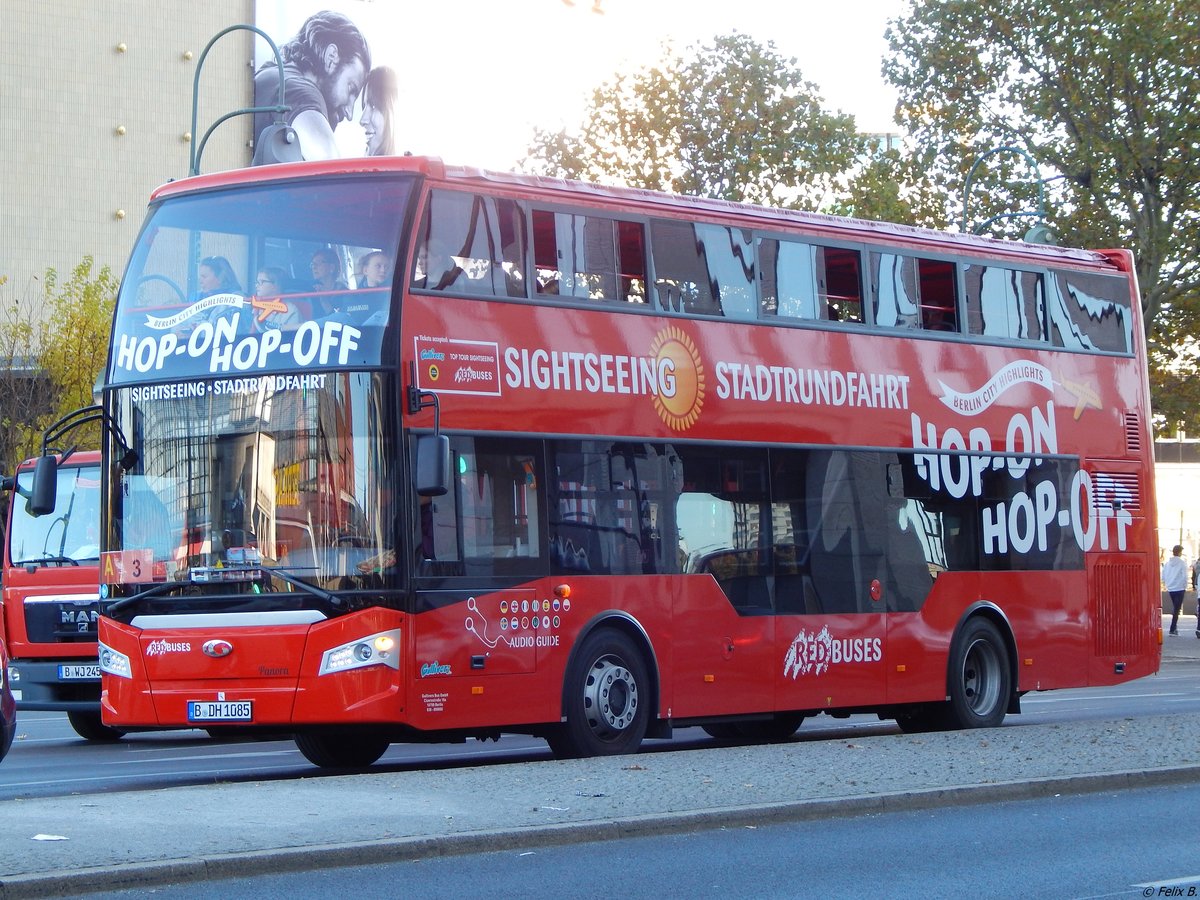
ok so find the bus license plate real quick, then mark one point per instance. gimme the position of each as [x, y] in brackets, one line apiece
[220, 710]
[78, 673]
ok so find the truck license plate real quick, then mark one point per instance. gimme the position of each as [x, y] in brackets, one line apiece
[78, 673]
[220, 710]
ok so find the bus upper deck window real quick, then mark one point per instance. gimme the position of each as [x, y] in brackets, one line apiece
[471, 244]
[588, 257]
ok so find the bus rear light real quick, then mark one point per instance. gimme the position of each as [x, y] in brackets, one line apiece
[114, 663]
[375, 650]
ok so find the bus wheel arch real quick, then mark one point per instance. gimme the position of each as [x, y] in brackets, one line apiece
[610, 691]
[981, 673]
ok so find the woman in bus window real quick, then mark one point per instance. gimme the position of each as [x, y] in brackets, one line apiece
[379, 111]
[376, 269]
[325, 271]
[269, 311]
[216, 276]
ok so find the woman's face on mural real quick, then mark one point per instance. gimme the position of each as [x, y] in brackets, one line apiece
[372, 124]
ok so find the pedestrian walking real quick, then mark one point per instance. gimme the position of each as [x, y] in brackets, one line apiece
[1175, 579]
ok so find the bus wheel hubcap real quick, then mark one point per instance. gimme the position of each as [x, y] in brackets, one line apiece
[610, 697]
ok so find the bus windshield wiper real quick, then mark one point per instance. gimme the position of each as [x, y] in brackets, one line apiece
[154, 591]
[320, 593]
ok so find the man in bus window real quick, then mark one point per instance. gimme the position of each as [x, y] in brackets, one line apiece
[324, 68]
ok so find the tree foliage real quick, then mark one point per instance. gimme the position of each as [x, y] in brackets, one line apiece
[53, 346]
[733, 120]
[1106, 98]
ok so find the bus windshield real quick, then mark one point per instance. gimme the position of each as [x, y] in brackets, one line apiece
[69, 535]
[255, 483]
[267, 278]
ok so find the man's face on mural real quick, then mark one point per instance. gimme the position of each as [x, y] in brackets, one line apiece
[341, 86]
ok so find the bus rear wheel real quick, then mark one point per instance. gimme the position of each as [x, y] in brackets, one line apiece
[342, 750]
[90, 727]
[607, 699]
[980, 681]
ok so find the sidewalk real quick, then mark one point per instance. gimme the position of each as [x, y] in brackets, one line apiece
[137, 839]
[1183, 646]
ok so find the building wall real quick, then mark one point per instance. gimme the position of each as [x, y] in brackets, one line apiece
[67, 87]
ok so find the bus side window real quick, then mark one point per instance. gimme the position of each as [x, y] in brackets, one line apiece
[588, 257]
[471, 244]
[789, 281]
[1005, 302]
[939, 295]
[704, 269]
[1090, 312]
[910, 292]
[681, 276]
[895, 291]
[839, 283]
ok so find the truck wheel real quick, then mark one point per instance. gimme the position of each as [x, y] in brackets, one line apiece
[89, 727]
[607, 699]
[342, 750]
[980, 681]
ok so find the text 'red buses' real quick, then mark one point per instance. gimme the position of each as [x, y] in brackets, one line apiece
[591, 463]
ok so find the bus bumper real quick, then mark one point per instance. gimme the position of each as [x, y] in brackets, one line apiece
[334, 672]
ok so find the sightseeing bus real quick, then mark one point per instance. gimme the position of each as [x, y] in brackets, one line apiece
[596, 463]
[50, 604]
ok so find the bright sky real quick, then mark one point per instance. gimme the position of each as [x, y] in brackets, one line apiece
[482, 73]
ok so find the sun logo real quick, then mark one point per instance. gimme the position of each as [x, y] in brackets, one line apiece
[680, 395]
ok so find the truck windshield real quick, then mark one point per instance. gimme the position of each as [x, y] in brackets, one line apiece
[69, 535]
[236, 479]
[261, 279]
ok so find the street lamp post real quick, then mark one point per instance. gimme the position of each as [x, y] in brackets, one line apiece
[1039, 233]
[278, 142]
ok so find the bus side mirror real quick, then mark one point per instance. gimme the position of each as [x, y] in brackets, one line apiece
[45, 486]
[433, 465]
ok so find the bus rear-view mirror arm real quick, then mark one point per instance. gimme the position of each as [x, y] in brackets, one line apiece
[432, 470]
[45, 472]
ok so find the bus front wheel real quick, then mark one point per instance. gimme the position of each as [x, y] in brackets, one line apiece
[90, 727]
[342, 750]
[980, 679]
[607, 699]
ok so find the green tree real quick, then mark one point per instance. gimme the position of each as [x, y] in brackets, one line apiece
[733, 120]
[74, 347]
[53, 346]
[24, 394]
[1106, 97]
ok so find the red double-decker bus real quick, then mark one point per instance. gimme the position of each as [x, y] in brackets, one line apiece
[597, 463]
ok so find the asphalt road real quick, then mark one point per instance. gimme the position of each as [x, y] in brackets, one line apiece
[48, 759]
[1055, 846]
[214, 827]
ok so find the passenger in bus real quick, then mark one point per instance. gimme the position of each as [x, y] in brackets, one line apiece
[436, 268]
[326, 271]
[376, 270]
[324, 67]
[270, 311]
[378, 119]
[215, 275]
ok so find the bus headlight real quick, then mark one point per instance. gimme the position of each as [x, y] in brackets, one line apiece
[114, 663]
[374, 650]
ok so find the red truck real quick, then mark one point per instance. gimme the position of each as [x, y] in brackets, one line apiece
[50, 602]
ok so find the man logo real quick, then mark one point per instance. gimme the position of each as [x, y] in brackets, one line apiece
[217, 648]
